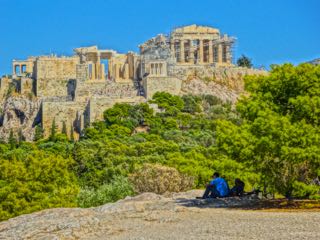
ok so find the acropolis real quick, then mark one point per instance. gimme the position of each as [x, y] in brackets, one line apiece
[76, 90]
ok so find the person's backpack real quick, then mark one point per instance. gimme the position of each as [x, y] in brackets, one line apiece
[238, 188]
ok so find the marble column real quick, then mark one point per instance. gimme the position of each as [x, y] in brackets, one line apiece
[126, 71]
[219, 53]
[182, 57]
[191, 53]
[110, 69]
[200, 51]
[102, 66]
[98, 68]
[116, 71]
[93, 71]
[210, 54]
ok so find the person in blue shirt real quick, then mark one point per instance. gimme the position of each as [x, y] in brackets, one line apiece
[218, 187]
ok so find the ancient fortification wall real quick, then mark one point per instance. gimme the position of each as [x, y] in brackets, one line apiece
[152, 85]
[69, 113]
[53, 74]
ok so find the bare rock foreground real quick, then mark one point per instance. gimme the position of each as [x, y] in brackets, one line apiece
[179, 216]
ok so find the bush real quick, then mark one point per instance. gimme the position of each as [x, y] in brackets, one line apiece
[302, 190]
[33, 180]
[160, 179]
[115, 190]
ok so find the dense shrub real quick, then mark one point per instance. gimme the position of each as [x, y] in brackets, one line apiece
[33, 181]
[160, 179]
[111, 192]
[302, 190]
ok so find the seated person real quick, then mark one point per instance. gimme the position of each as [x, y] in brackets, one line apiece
[238, 188]
[218, 187]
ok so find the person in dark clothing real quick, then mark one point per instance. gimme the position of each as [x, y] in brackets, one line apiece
[218, 187]
[238, 188]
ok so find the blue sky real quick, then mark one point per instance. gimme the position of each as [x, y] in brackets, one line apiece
[273, 31]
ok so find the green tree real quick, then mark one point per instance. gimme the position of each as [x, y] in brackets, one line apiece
[64, 128]
[34, 181]
[244, 61]
[280, 129]
[12, 140]
[170, 103]
[38, 133]
[126, 115]
[53, 130]
[191, 103]
[71, 133]
[21, 138]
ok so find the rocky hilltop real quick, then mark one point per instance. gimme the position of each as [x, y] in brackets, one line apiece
[74, 91]
[176, 216]
[21, 113]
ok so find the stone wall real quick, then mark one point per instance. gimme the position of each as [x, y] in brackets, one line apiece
[152, 85]
[26, 86]
[4, 87]
[82, 72]
[120, 90]
[84, 90]
[78, 114]
[53, 75]
[70, 112]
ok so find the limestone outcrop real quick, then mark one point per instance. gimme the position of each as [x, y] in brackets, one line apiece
[20, 115]
[175, 216]
[225, 83]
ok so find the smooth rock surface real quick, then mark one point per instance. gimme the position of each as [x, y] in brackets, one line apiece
[175, 216]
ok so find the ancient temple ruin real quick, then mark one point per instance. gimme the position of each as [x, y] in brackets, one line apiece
[75, 90]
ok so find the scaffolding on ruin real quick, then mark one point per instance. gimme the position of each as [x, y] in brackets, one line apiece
[230, 41]
[224, 39]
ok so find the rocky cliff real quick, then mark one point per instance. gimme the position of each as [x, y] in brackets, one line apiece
[224, 83]
[20, 114]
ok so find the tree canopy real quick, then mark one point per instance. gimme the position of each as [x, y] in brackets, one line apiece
[280, 133]
[244, 61]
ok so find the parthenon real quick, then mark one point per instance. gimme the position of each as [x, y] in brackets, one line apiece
[201, 45]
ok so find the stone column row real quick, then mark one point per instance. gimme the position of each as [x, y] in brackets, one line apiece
[201, 53]
[97, 70]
